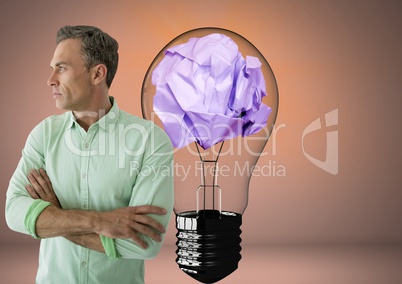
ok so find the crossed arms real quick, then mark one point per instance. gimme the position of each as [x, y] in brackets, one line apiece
[84, 227]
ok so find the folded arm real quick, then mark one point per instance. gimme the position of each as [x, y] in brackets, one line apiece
[84, 227]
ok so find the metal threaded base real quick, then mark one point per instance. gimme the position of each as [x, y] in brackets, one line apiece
[208, 245]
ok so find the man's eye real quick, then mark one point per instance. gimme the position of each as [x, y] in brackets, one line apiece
[61, 68]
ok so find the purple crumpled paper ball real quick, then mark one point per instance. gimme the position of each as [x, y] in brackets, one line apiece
[207, 92]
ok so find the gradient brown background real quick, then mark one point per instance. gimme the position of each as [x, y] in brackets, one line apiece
[326, 55]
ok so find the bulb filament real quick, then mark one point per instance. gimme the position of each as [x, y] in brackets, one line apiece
[209, 166]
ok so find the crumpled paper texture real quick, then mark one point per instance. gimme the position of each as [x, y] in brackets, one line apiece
[207, 92]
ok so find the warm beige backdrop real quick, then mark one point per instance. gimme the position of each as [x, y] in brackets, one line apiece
[326, 55]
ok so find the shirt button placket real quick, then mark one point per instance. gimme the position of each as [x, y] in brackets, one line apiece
[84, 193]
[84, 266]
[85, 158]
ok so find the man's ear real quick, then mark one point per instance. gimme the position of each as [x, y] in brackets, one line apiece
[99, 74]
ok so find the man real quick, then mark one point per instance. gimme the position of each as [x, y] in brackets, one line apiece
[94, 184]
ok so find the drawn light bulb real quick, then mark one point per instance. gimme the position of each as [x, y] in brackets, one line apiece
[212, 183]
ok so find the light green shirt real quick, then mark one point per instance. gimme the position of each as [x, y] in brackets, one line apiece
[121, 161]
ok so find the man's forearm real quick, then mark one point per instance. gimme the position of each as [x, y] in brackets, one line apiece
[55, 222]
[124, 223]
[74, 225]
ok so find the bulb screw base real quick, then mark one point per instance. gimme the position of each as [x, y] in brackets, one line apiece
[208, 244]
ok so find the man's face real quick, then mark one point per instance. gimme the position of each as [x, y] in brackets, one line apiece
[70, 79]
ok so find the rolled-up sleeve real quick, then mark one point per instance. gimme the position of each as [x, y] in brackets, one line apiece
[21, 209]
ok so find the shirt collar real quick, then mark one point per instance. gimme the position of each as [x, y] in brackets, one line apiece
[107, 122]
[71, 120]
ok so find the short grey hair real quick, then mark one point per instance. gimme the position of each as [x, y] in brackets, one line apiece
[97, 47]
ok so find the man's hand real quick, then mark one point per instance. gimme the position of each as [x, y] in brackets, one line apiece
[124, 223]
[41, 187]
[128, 222]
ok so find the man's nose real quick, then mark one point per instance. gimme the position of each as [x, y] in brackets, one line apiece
[52, 81]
